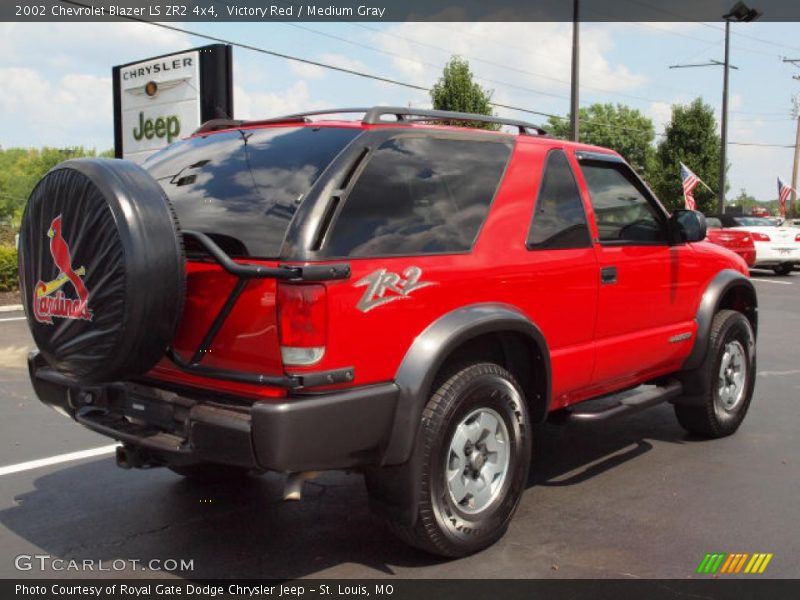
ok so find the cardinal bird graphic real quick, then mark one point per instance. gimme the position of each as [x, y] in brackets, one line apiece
[48, 301]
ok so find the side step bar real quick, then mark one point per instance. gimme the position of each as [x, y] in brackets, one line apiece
[644, 399]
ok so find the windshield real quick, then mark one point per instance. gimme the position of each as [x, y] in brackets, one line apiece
[752, 221]
[243, 187]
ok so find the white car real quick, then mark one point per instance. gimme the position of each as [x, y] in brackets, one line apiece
[777, 247]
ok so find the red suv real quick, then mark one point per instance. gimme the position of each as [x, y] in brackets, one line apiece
[388, 295]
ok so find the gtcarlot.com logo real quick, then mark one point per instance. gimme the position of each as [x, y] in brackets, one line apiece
[735, 563]
[46, 562]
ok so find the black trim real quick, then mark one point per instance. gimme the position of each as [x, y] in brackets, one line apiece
[296, 381]
[218, 321]
[431, 348]
[375, 114]
[283, 381]
[709, 306]
[285, 272]
[330, 430]
[326, 431]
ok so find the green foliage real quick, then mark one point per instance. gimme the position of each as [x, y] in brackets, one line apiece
[619, 127]
[691, 137]
[8, 269]
[21, 169]
[456, 90]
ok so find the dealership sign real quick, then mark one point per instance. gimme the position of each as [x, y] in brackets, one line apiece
[159, 100]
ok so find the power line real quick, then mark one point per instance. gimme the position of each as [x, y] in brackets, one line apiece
[368, 75]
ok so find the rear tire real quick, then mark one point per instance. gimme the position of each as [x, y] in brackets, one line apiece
[783, 268]
[730, 372]
[210, 472]
[475, 442]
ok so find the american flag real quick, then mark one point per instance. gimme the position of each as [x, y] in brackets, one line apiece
[690, 181]
[783, 193]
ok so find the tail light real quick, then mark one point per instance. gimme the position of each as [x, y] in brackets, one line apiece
[797, 238]
[302, 323]
[760, 237]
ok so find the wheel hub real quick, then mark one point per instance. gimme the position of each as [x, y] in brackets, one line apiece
[732, 376]
[477, 461]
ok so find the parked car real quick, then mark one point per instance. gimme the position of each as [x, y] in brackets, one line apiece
[777, 247]
[385, 295]
[740, 242]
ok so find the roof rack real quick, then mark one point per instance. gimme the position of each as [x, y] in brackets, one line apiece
[374, 116]
[218, 124]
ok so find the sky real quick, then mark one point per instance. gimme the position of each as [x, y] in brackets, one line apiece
[57, 76]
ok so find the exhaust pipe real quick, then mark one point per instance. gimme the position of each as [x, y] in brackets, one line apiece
[132, 457]
[293, 488]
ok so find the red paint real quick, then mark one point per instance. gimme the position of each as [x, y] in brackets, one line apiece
[601, 338]
[740, 242]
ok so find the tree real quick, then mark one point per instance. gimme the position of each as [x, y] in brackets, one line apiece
[21, 169]
[618, 127]
[691, 138]
[456, 90]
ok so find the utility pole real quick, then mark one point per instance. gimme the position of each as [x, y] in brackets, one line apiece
[740, 13]
[576, 51]
[723, 127]
[796, 115]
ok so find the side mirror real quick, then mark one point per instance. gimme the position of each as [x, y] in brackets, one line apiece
[687, 226]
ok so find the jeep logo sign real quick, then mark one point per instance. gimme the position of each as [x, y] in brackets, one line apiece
[163, 127]
[159, 100]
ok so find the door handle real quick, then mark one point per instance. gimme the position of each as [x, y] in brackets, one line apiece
[608, 275]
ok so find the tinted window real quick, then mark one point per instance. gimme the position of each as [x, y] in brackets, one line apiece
[713, 223]
[420, 195]
[621, 207]
[751, 221]
[559, 220]
[243, 187]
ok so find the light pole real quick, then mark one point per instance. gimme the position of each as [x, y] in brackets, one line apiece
[740, 13]
[573, 113]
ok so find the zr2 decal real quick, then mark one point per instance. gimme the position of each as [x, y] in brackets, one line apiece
[385, 286]
[48, 299]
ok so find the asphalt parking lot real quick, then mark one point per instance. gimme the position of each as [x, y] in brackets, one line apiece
[635, 497]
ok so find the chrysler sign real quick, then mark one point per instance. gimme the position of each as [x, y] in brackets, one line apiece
[160, 100]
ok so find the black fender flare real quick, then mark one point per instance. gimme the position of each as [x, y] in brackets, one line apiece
[394, 486]
[720, 285]
[416, 373]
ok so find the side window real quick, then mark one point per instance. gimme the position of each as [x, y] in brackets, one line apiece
[559, 221]
[621, 206]
[420, 195]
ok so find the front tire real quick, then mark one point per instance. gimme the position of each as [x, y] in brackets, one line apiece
[476, 451]
[730, 372]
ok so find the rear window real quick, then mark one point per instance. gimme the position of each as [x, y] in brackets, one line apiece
[243, 187]
[420, 195]
[713, 223]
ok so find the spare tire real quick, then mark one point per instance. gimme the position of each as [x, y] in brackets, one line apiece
[102, 269]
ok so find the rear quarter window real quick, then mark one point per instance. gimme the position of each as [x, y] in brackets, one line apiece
[420, 195]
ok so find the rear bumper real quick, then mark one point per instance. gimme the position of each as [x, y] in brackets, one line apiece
[303, 432]
[774, 253]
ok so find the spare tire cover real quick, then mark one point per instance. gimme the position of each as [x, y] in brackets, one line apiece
[102, 270]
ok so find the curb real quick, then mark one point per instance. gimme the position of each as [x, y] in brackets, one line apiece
[10, 308]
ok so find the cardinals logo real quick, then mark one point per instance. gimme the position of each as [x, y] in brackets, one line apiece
[48, 298]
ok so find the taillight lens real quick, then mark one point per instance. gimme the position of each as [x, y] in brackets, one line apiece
[797, 238]
[302, 323]
[760, 237]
